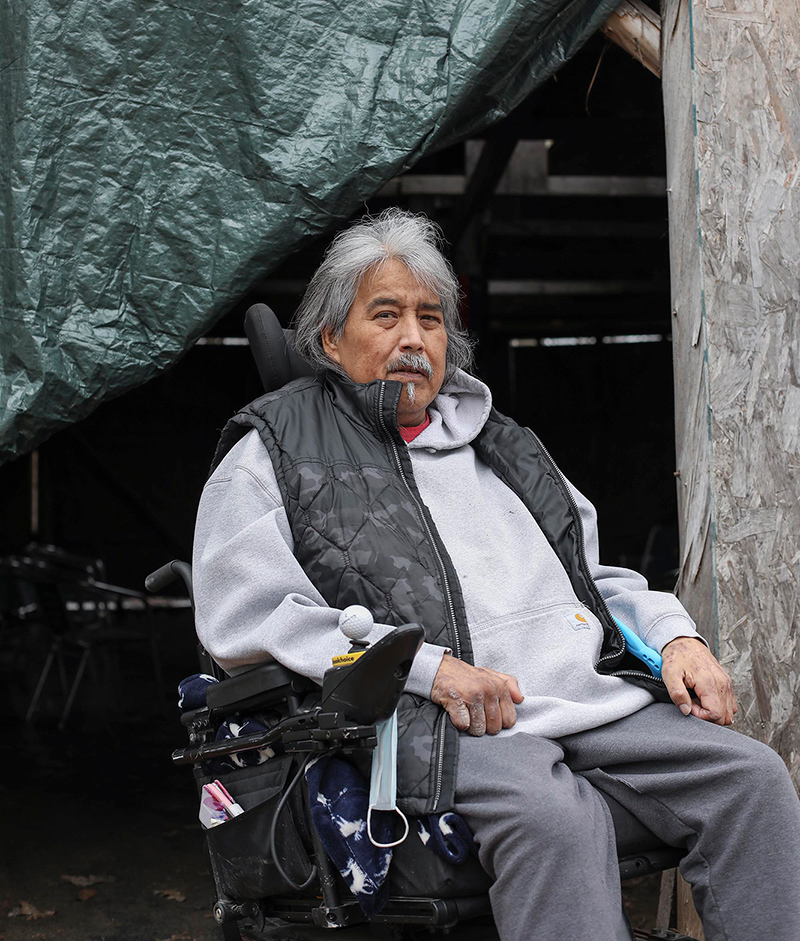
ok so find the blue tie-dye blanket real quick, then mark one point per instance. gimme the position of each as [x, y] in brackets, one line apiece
[338, 797]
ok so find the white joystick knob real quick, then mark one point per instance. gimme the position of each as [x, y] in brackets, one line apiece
[356, 622]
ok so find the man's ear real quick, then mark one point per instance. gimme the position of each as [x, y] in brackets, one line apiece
[330, 346]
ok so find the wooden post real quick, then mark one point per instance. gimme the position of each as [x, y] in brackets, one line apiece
[637, 28]
[688, 919]
[730, 75]
[665, 899]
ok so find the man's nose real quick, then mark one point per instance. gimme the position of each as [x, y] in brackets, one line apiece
[411, 337]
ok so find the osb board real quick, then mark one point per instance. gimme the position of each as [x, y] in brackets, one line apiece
[732, 110]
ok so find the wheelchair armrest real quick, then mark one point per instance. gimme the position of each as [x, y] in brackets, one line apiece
[263, 685]
[353, 699]
[368, 690]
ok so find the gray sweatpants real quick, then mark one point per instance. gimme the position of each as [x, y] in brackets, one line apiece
[547, 838]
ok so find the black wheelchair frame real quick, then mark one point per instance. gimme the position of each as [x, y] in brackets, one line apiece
[273, 877]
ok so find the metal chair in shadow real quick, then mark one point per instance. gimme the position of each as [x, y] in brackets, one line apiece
[68, 598]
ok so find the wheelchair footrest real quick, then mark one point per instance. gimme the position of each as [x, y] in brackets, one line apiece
[310, 911]
[441, 913]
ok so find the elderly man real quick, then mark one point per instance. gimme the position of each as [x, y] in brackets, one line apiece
[390, 481]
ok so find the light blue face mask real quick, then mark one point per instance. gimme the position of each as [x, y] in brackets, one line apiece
[383, 780]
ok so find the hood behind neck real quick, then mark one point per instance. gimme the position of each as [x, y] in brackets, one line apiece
[458, 413]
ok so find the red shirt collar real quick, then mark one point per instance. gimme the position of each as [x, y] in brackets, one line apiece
[409, 432]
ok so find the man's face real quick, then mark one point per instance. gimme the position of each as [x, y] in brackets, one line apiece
[391, 320]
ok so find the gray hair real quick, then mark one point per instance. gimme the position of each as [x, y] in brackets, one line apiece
[394, 234]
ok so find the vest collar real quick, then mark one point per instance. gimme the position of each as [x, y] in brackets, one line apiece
[458, 413]
[372, 403]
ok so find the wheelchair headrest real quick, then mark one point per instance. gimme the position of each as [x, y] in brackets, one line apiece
[273, 349]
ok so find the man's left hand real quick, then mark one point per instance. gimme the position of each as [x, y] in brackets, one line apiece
[689, 664]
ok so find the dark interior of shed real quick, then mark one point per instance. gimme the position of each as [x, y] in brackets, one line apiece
[557, 224]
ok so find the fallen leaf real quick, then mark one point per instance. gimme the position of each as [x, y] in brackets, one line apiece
[174, 895]
[29, 911]
[85, 881]
[85, 894]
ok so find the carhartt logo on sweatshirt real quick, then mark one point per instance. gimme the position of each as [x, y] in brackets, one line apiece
[577, 621]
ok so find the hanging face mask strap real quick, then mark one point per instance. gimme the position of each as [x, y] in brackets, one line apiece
[383, 780]
[386, 845]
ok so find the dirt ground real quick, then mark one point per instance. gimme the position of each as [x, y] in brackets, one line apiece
[101, 804]
[104, 810]
[100, 839]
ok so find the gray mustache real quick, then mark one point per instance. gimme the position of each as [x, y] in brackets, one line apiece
[413, 361]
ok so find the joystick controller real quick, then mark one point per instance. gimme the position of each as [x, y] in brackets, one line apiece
[355, 622]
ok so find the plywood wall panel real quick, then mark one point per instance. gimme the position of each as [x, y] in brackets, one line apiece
[732, 110]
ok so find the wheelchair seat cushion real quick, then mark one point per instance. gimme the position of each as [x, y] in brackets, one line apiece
[631, 834]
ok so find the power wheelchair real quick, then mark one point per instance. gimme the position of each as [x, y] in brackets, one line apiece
[273, 878]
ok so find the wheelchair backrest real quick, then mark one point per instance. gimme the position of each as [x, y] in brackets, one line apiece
[273, 349]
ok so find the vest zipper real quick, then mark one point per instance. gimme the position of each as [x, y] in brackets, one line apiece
[586, 571]
[440, 762]
[437, 793]
[428, 531]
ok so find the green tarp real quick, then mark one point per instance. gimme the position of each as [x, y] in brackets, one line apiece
[157, 157]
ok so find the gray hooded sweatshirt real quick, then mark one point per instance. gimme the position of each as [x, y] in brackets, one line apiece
[254, 600]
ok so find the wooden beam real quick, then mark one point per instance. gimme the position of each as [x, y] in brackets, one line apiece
[603, 229]
[532, 287]
[733, 147]
[525, 167]
[455, 184]
[481, 184]
[637, 29]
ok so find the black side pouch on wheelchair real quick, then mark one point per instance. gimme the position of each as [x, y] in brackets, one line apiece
[239, 848]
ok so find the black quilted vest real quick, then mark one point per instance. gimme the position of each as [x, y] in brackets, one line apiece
[363, 536]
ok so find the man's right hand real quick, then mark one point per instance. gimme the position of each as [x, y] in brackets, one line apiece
[477, 699]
